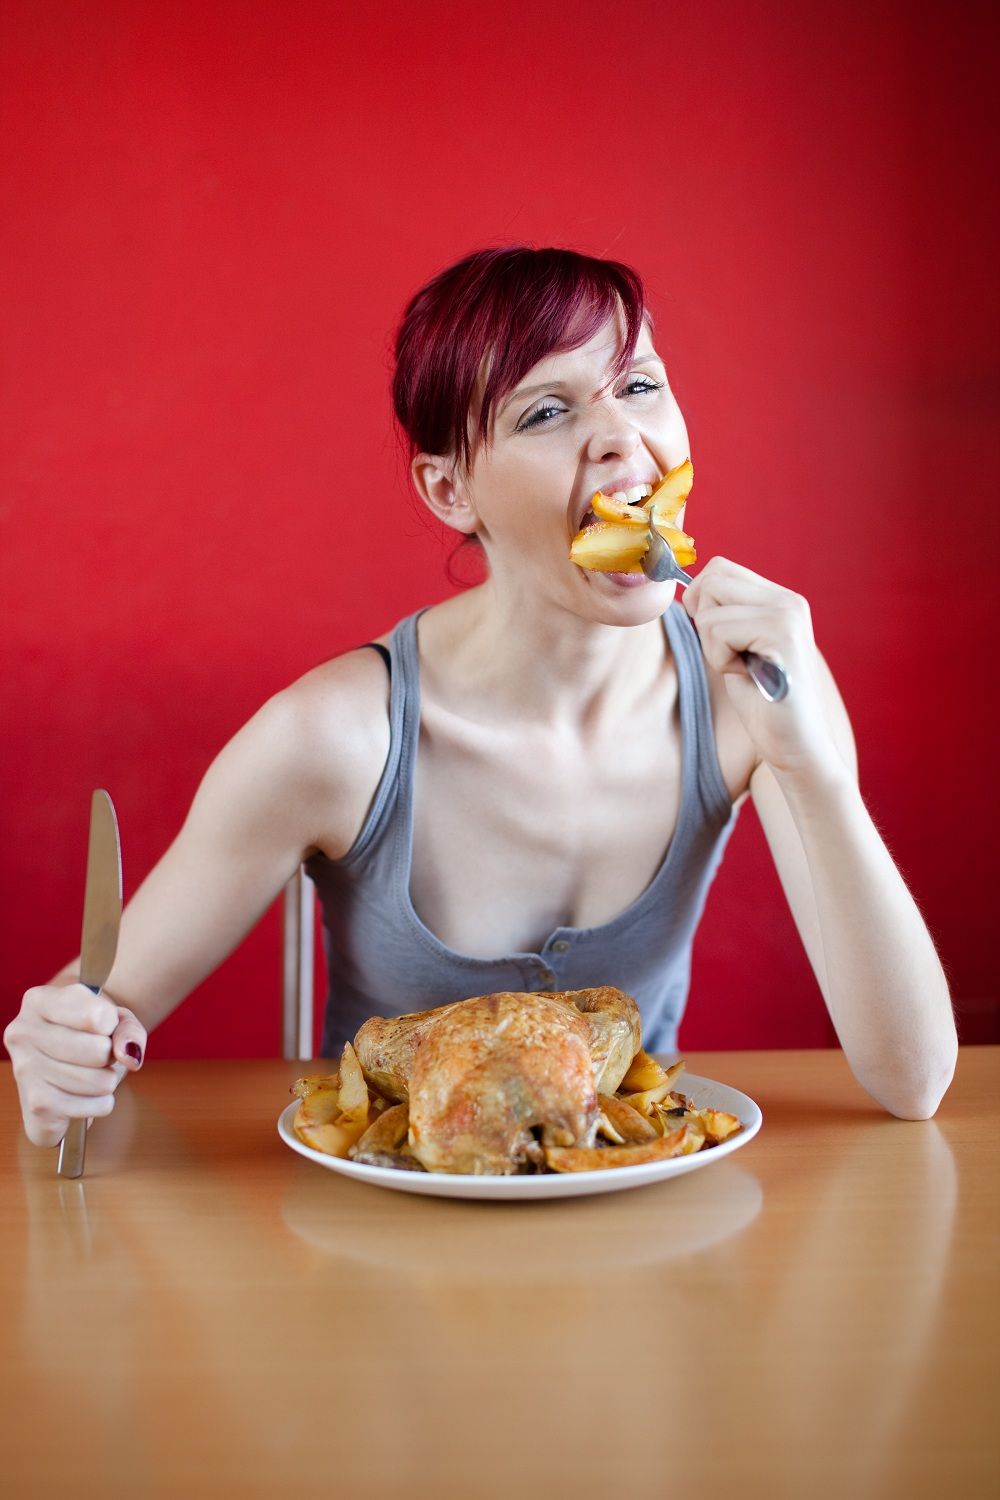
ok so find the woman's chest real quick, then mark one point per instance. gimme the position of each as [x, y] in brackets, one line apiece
[516, 833]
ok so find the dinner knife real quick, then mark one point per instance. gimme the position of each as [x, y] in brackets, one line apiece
[102, 915]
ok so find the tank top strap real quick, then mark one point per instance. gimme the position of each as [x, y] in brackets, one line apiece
[406, 666]
[702, 774]
[393, 795]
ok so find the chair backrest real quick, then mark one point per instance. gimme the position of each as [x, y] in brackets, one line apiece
[298, 936]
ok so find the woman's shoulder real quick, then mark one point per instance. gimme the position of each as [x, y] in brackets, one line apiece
[341, 702]
[356, 679]
[330, 727]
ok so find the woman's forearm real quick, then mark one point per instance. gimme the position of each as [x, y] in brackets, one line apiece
[884, 984]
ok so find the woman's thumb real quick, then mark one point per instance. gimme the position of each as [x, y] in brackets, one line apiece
[128, 1040]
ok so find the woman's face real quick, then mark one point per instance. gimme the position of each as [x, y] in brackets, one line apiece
[561, 435]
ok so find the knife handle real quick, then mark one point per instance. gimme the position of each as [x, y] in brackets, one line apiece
[72, 1149]
[73, 1146]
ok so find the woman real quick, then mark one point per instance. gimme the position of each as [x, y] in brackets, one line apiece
[492, 812]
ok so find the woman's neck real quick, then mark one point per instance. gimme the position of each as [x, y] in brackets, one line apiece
[491, 658]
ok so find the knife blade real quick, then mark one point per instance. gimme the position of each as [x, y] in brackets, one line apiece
[102, 914]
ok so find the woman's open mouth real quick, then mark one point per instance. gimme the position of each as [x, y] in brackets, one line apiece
[612, 535]
[633, 496]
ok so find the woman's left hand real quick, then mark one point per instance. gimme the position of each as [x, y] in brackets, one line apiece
[736, 610]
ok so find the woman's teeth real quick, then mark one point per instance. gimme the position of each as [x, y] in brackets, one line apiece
[634, 495]
[637, 493]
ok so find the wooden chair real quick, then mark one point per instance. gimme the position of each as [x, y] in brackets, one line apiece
[298, 936]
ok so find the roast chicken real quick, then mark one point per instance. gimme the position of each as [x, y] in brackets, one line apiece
[493, 1080]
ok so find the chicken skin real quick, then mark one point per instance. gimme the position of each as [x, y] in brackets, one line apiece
[491, 1080]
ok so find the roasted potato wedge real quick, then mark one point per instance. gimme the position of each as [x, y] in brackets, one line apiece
[644, 1073]
[388, 1132]
[621, 1123]
[645, 1100]
[718, 1125]
[319, 1123]
[354, 1101]
[303, 1087]
[385, 1142]
[595, 1158]
[668, 497]
[610, 546]
[680, 544]
[667, 1117]
[619, 511]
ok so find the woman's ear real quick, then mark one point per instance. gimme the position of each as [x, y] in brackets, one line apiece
[442, 489]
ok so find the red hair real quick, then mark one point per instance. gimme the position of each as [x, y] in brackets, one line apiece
[500, 310]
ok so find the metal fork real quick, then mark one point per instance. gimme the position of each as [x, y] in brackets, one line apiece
[659, 564]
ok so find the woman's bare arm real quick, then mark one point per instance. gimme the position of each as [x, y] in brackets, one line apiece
[869, 947]
[868, 944]
[298, 777]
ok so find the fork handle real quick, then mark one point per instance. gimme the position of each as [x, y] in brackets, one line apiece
[771, 680]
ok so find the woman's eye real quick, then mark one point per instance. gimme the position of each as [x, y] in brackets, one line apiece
[644, 385]
[538, 416]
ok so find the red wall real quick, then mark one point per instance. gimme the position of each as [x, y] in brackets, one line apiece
[212, 217]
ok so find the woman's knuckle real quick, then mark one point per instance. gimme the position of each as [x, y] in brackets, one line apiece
[95, 1018]
[107, 1017]
[96, 1046]
[36, 1101]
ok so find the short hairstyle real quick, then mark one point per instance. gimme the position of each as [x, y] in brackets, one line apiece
[502, 309]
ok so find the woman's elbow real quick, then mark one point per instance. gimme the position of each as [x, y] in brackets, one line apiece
[919, 1097]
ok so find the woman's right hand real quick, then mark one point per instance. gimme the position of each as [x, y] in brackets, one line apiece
[70, 1049]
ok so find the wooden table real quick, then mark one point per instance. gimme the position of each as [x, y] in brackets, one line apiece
[208, 1314]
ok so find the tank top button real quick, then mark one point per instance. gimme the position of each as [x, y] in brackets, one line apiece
[542, 977]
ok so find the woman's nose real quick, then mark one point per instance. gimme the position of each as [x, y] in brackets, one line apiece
[612, 433]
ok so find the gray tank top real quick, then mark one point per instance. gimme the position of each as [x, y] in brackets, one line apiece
[383, 961]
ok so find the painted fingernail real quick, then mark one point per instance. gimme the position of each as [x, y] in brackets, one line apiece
[134, 1051]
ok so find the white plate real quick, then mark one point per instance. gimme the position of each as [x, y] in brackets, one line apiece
[705, 1092]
